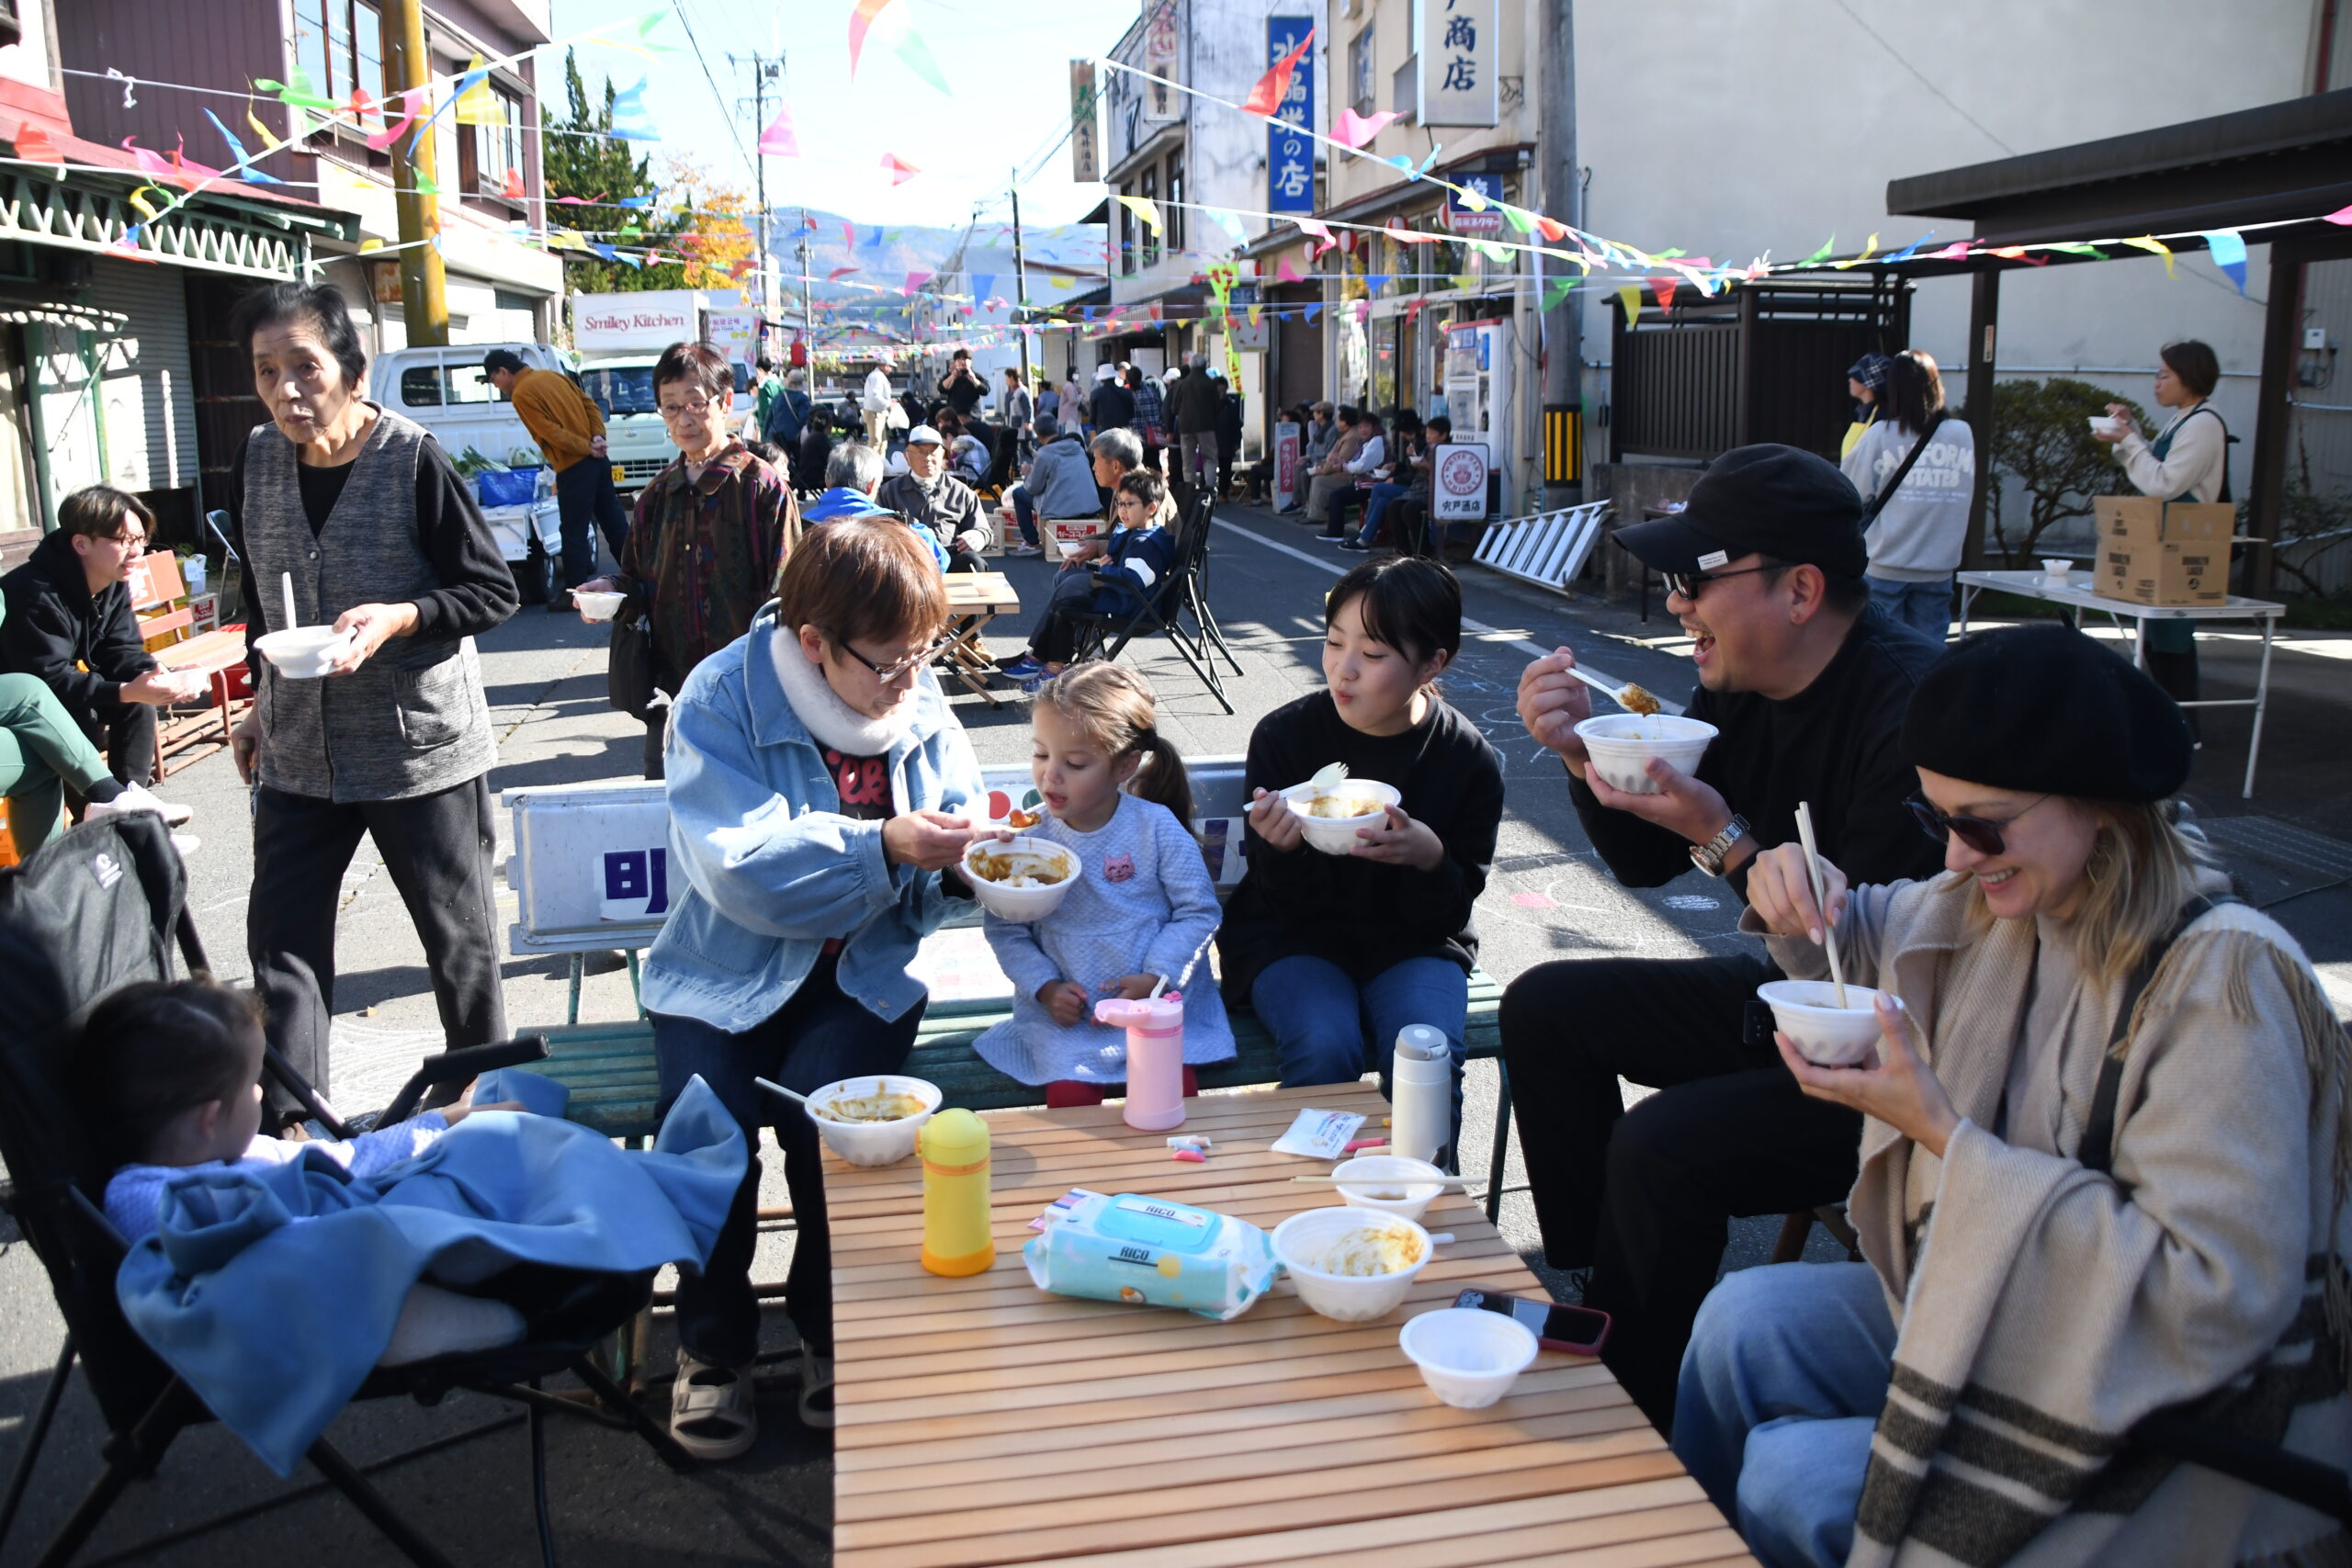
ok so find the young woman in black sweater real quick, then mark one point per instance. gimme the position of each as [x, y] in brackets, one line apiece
[1338, 952]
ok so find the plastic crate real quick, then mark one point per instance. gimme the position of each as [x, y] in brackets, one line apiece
[508, 487]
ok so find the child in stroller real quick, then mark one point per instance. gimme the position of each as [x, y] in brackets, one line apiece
[169, 1073]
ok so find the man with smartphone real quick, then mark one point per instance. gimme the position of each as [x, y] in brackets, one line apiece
[1806, 682]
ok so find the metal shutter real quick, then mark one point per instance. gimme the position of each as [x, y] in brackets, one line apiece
[149, 391]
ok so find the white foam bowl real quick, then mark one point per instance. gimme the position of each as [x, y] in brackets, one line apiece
[1468, 1356]
[1019, 903]
[1069, 548]
[2104, 425]
[302, 653]
[1825, 1034]
[1344, 1297]
[1363, 1176]
[1620, 745]
[1336, 835]
[873, 1143]
[598, 605]
[2056, 570]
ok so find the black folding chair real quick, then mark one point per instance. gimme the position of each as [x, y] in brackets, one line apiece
[1105, 634]
[101, 906]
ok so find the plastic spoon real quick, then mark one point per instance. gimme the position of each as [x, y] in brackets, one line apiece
[1820, 896]
[1328, 777]
[285, 581]
[1615, 694]
[801, 1100]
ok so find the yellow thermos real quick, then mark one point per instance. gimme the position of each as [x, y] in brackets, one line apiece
[956, 1235]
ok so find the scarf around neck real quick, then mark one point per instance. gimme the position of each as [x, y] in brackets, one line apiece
[829, 720]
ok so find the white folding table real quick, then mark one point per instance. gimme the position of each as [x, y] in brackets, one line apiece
[2075, 594]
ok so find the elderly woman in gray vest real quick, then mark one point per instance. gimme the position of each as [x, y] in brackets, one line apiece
[384, 542]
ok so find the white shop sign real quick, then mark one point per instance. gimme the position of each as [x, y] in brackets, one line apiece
[1458, 483]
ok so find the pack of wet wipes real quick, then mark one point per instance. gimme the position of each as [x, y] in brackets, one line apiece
[1152, 1252]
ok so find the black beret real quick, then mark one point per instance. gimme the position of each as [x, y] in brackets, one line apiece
[2044, 708]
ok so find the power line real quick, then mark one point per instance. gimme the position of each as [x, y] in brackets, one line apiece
[1921, 77]
[732, 134]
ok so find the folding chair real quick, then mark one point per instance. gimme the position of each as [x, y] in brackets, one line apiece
[1105, 634]
[101, 906]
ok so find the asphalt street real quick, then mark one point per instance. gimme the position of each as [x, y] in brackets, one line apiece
[1548, 898]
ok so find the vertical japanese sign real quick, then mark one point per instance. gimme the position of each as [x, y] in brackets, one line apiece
[1459, 45]
[1163, 37]
[1085, 142]
[1290, 156]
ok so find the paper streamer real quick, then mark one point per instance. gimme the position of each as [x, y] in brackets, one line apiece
[901, 172]
[1274, 85]
[1145, 208]
[1355, 129]
[779, 140]
[2227, 247]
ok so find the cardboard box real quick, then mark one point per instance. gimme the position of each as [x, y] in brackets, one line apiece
[2156, 552]
[1060, 531]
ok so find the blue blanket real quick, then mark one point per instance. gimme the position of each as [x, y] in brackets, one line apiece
[273, 1292]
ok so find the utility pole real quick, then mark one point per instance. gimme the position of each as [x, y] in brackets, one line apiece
[424, 303]
[808, 311]
[1020, 280]
[764, 71]
[1563, 336]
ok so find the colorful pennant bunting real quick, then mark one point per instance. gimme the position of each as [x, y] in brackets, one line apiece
[1274, 85]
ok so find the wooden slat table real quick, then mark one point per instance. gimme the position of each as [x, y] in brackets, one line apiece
[983, 1421]
[973, 599]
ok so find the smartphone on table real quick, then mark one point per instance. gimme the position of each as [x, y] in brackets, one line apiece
[1578, 1330]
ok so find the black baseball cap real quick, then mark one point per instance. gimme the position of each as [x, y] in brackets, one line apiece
[1765, 499]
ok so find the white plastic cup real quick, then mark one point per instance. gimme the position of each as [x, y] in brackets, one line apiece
[302, 653]
[1825, 1034]
[1468, 1356]
[1344, 1297]
[1361, 1177]
[1336, 835]
[873, 1143]
[2054, 568]
[1620, 745]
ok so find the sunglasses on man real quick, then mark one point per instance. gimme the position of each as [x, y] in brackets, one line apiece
[1687, 584]
[1978, 833]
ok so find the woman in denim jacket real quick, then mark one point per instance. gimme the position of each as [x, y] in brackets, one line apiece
[813, 768]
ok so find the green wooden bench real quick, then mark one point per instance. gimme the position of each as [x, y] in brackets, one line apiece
[609, 1067]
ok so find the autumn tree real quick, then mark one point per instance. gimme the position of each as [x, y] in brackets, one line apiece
[718, 244]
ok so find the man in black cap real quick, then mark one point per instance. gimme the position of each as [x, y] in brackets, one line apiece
[1806, 681]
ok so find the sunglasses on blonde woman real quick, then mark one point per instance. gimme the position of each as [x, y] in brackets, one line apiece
[1978, 833]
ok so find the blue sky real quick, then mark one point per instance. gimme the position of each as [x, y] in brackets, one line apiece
[1005, 61]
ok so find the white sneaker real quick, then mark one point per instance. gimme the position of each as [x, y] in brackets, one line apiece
[138, 797]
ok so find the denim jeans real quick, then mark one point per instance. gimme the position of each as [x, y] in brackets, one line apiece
[585, 500]
[1781, 1389]
[1382, 494]
[1025, 511]
[1926, 606]
[816, 1038]
[1327, 1028]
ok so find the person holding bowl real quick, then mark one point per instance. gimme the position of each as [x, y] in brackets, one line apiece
[2102, 1170]
[815, 777]
[2189, 459]
[384, 543]
[1805, 678]
[1339, 953]
[711, 533]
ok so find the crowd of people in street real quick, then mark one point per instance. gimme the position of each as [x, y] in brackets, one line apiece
[2097, 1161]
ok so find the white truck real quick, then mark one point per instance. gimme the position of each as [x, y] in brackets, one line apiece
[620, 338]
[444, 390]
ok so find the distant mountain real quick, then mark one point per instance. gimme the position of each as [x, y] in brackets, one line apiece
[885, 254]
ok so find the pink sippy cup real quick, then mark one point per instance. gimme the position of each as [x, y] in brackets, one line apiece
[1155, 1058]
